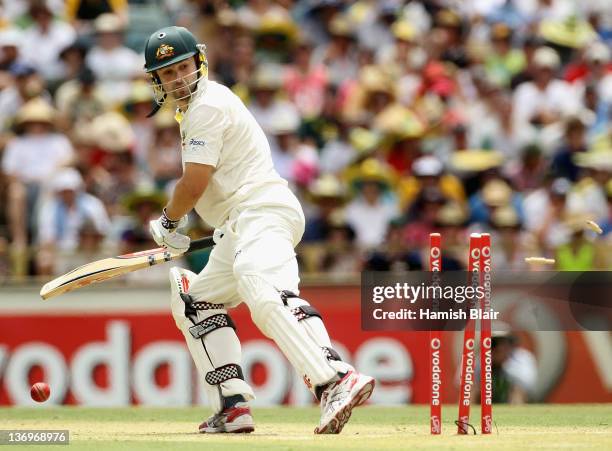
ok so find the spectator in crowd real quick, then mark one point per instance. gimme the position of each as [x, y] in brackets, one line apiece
[222, 43]
[5, 265]
[393, 254]
[598, 109]
[44, 40]
[566, 31]
[340, 256]
[316, 17]
[236, 69]
[402, 132]
[63, 216]
[606, 226]
[305, 82]
[578, 253]
[331, 123]
[563, 164]
[165, 151]
[29, 161]
[275, 36]
[370, 213]
[489, 118]
[510, 247]
[528, 174]
[504, 61]
[370, 95]
[80, 100]
[594, 69]
[450, 29]
[113, 63]
[451, 221]
[113, 165]
[266, 104]
[514, 367]
[71, 61]
[325, 195]
[422, 214]
[10, 41]
[494, 194]
[26, 85]
[83, 12]
[339, 56]
[428, 172]
[529, 47]
[588, 195]
[403, 57]
[294, 160]
[92, 246]
[544, 212]
[399, 254]
[143, 205]
[137, 108]
[338, 151]
[253, 12]
[543, 102]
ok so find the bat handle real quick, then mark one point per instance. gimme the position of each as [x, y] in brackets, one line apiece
[202, 243]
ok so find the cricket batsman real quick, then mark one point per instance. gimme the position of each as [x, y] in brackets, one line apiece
[229, 178]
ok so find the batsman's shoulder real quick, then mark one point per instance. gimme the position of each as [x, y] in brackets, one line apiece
[219, 94]
[208, 109]
[218, 99]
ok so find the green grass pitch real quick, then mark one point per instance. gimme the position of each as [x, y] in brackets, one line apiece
[531, 427]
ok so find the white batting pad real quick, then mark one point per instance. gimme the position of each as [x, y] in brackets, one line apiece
[275, 321]
[316, 330]
[216, 349]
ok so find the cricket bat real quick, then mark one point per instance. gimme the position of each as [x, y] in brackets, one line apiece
[110, 268]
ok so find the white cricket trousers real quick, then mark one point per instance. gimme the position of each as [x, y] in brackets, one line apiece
[253, 262]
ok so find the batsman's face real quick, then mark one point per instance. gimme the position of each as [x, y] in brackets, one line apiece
[180, 79]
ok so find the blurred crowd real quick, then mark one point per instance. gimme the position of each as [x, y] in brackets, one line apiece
[390, 119]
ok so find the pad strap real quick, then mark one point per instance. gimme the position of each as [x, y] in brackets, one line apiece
[286, 294]
[224, 373]
[200, 305]
[211, 323]
[331, 354]
[305, 311]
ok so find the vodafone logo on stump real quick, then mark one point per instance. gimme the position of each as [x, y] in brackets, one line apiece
[436, 376]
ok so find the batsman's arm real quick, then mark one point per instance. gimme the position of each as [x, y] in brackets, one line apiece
[188, 189]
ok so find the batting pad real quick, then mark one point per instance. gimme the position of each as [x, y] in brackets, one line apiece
[315, 328]
[278, 323]
[212, 343]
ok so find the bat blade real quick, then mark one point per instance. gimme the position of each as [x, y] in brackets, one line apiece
[110, 268]
[105, 269]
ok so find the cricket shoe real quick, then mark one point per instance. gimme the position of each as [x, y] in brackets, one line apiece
[236, 419]
[339, 400]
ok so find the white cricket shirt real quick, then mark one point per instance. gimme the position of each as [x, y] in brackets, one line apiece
[217, 129]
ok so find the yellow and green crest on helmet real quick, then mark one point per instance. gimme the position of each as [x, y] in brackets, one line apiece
[164, 51]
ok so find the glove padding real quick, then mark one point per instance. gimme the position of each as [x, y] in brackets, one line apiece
[175, 242]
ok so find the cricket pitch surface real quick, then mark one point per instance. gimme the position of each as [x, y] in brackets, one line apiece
[533, 426]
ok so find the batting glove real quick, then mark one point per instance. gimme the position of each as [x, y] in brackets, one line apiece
[163, 231]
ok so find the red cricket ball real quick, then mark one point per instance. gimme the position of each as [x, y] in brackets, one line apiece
[40, 392]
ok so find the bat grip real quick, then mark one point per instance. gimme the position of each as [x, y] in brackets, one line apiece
[202, 243]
